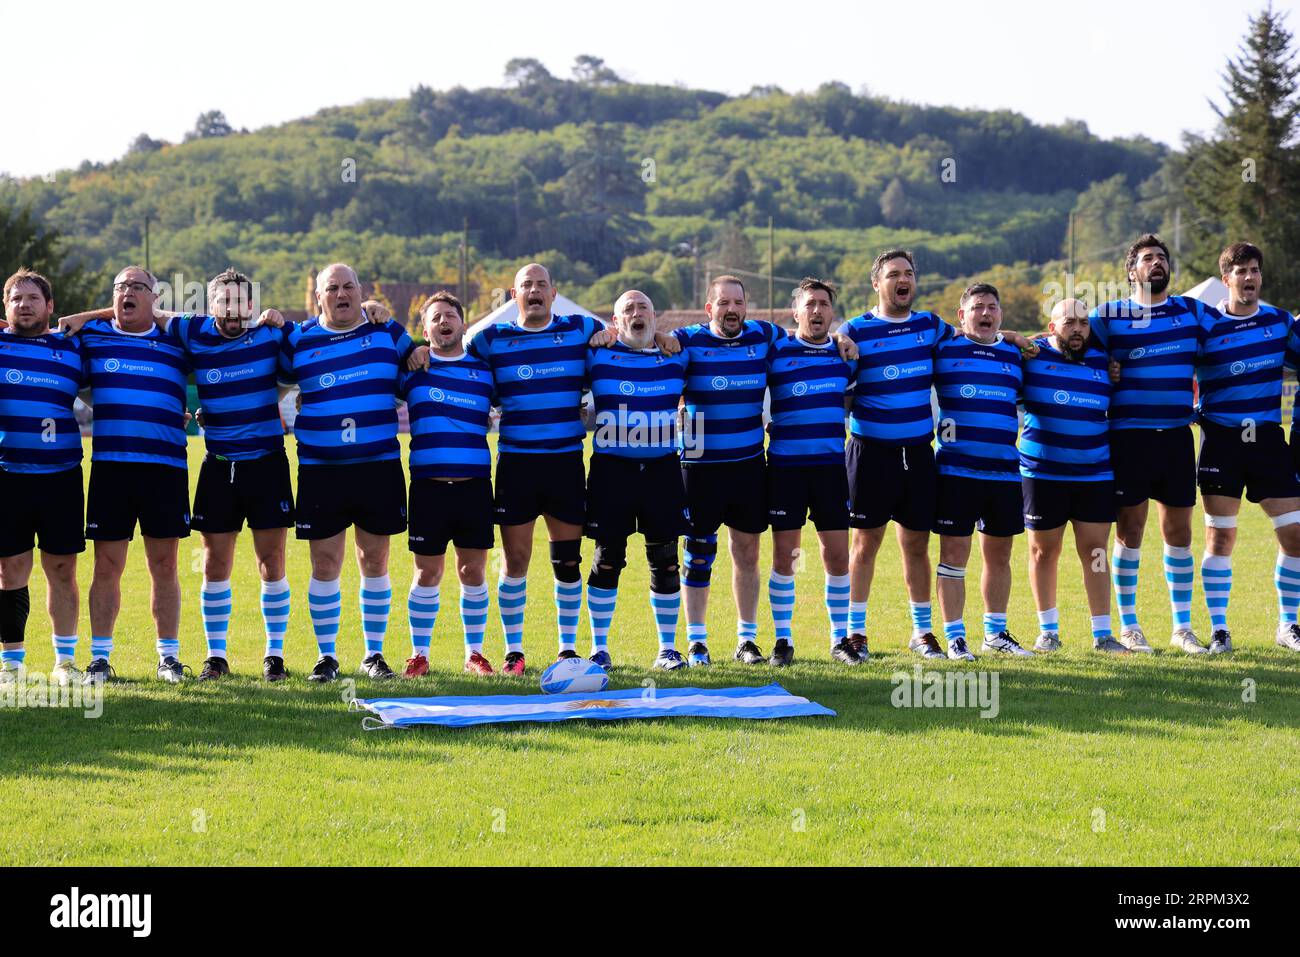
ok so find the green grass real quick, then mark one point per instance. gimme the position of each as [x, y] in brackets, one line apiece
[1091, 760]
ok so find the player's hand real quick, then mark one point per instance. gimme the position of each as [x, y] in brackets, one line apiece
[418, 359]
[376, 311]
[1028, 347]
[71, 325]
[1115, 370]
[603, 338]
[185, 422]
[269, 317]
[848, 348]
[669, 345]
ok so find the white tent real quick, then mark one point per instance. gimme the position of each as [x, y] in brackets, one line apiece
[508, 311]
[1211, 292]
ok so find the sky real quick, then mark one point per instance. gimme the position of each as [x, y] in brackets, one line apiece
[100, 77]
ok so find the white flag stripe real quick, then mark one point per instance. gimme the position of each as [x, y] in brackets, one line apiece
[607, 705]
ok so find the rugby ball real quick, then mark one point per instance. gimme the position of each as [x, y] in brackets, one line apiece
[574, 675]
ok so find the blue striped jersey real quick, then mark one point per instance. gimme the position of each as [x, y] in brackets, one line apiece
[725, 384]
[1066, 433]
[1156, 347]
[1240, 370]
[236, 380]
[40, 377]
[137, 383]
[807, 384]
[635, 395]
[449, 407]
[978, 387]
[895, 370]
[539, 375]
[349, 390]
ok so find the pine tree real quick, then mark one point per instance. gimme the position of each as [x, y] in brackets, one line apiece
[1244, 181]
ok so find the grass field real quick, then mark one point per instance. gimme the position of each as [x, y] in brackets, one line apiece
[1090, 760]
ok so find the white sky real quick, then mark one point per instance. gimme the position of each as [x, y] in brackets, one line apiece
[265, 62]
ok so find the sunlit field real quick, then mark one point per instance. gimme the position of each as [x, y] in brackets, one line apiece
[1089, 759]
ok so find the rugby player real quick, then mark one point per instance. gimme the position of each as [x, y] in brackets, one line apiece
[349, 461]
[635, 481]
[1243, 447]
[40, 473]
[451, 486]
[1065, 472]
[807, 379]
[136, 375]
[538, 364]
[1155, 338]
[978, 379]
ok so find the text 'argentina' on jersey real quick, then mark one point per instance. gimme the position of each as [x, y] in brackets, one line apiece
[450, 407]
[978, 386]
[349, 390]
[539, 375]
[807, 384]
[635, 394]
[895, 371]
[39, 380]
[725, 385]
[1066, 434]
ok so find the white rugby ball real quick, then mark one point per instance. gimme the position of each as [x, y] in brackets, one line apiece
[574, 675]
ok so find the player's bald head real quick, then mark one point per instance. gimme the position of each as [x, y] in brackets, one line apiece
[338, 272]
[1069, 308]
[534, 271]
[633, 297]
[1069, 327]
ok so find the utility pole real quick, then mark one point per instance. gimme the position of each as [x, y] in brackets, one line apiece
[1070, 271]
[695, 273]
[147, 267]
[1178, 237]
[464, 262]
[771, 269]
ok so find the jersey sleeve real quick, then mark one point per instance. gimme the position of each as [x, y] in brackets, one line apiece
[285, 371]
[1097, 327]
[401, 340]
[1292, 357]
[480, 346]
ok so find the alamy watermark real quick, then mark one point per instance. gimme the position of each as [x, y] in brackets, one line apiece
[946, 689]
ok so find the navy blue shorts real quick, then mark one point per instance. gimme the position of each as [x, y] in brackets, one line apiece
[994, 506]
[1050, 503]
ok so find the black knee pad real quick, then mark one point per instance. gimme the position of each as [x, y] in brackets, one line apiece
[700, 554]
[566, 557]
[15, 603]
[613, 557]
[665, 576]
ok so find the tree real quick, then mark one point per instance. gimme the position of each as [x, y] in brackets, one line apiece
[603, 199]
[525, 72]
[24, 244]
[1244, 181]
[208, 125]
[592, 70]
[894, 207]
[1106, 219]
[144, 143]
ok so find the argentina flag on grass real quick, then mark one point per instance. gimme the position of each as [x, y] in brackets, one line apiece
[770, 701]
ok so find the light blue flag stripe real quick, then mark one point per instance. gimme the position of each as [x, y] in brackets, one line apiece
[770, 701]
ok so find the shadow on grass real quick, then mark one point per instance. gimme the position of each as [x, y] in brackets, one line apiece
[148, 726]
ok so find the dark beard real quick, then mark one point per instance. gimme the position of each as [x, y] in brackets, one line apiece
[1074, 355]
[1158, 285]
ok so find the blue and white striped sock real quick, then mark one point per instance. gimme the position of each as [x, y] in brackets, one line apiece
[922, 618]
[216, 601]
[837, 606]
[376, 597]
[780, 595]
[1124, 576]
[746, 631]
[568, 609]
[697, 632]
[473, 616]
[1286, 578]
[666, 609]
[12, 660]
[600, 609]
[1216, 581]
[168, 647]
[994, 624]
[65, 648]
[325, 601]
[954, 629]
[422, 604]
[857, 617]
[275, 615]
[1179, 573]
[101, 646]
[1049, 621]
[512, 596]
[1100, 628]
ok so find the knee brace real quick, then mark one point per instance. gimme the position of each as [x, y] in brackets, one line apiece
[665, 578]
[951, 572]
[1221, 521]
[700, 554]
[1286, 518]
[565, 559]
[15, 603]
[607, 564]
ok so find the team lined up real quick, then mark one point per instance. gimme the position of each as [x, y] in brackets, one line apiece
[1090, 451]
